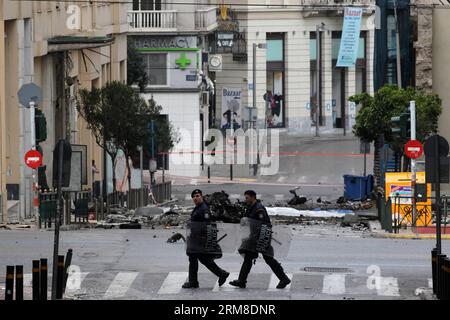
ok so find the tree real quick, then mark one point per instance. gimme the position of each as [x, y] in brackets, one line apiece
[374, 117]
[99, 108]
[119, 118]
[165, 134]
[136, 69]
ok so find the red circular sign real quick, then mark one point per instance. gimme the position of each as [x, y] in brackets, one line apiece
[33, 159]
[413, 149]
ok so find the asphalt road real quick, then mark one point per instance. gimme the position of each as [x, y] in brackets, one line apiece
[317, 165]
[140, 264]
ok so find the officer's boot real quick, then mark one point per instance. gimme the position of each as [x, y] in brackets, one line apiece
[279, 272]
[193, 269]
[243, 274]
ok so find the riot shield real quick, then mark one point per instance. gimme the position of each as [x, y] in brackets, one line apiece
[210, 238]
[259, 237]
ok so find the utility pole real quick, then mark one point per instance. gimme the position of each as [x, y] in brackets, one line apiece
[397, 44]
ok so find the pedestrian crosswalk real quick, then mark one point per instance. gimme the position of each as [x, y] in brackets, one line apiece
[334, 284]
[142, 285]
[173, 282]
[120, 285]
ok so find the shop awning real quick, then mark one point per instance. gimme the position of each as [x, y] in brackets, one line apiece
[66, 43]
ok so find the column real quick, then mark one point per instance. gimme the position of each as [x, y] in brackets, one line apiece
[327, 80]
[350, 107]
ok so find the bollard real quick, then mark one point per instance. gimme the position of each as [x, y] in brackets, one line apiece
[19, 282]
[9, 290]
[439, 273]
[60, 277]
[35, 279]
[447, 279]
[66, 268]
[43, 279]
[433, 269]
[209, 174]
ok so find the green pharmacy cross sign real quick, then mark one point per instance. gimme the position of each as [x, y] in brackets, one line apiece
[183, 61]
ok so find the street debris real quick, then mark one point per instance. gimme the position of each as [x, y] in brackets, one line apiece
[299, 210]
[291, 212]
[130, 225]
[175, 237]
[222, 209]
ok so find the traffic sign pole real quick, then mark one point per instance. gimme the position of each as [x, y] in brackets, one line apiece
[412, 109]
[34, 189]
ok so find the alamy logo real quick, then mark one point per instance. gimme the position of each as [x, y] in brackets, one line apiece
[73, 22]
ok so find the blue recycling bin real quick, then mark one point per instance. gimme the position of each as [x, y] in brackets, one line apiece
[355, 187]
[370, 184]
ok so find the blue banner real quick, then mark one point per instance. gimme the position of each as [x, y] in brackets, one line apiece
[348, 49]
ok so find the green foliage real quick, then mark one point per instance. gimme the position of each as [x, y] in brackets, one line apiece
[119, 118]
[374, 117]
[136, 68]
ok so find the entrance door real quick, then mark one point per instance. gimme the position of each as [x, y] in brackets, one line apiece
[338, 103]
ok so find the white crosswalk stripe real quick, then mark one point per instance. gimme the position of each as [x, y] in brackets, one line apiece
[173, 282]
[226, 286]
[74, 281]
[334, 284]
[234, 196]
[274, 282]
[388, 286]
[120, 285]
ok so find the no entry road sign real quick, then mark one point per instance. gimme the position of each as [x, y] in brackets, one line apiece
[413, 149]
[33, 159]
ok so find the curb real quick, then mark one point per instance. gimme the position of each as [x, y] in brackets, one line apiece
[410, 236]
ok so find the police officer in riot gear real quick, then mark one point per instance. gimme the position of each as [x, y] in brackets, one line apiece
[195, 244]
[257, 215]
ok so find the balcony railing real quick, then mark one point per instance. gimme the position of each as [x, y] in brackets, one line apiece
[206, 19]
[158, 20]
[337, 2]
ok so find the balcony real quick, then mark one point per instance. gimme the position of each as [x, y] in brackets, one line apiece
[312, 8]
[149, 21]
[206, 19]
[337, 2]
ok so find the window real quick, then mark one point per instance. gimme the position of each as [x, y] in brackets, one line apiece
[274, 96]
[156, 66]
[275, 50]
[316, 80]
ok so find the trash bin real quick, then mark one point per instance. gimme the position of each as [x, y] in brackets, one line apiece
[355, 187]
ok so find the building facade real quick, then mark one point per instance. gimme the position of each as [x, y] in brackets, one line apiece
[284, 34]
[172, 39]
[61, 47]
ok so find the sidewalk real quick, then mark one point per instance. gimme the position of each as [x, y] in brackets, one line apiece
[407, 234]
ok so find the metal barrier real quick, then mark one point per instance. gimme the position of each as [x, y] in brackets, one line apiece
[384, 212]
[440, 270]
[138, 198]
[162, 191]
[47, 207]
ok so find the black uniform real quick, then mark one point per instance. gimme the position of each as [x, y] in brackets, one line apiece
[258, 212]
[201, 213]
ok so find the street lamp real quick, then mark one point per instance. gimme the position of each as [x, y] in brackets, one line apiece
[260, 46]
[319, 28]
